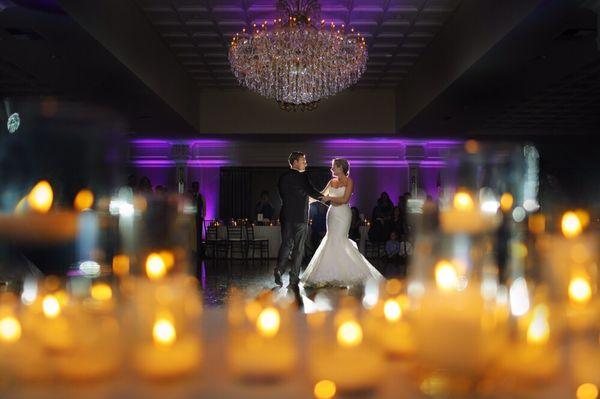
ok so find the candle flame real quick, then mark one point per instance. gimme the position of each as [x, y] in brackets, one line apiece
[163, 332]
[83, 200]
[101, 292]
[155, 266]
[40, 197]
[571, 225]
[325, 389]
[587, 391]
[349, 334]
[463, 201]
[446, 276]
[506, 202]
[268, 322]
[580, 290]
[392, 310]
[539, 329]
[10, 329]
[51, 306]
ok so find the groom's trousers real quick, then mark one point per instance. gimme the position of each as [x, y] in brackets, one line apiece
[293, 237]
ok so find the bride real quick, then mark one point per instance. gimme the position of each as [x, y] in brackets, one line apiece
[337, 262]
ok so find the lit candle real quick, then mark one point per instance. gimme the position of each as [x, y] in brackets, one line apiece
[169, 354]
[464, 217]
[533, 357]
[267, 351]
[456, 329]
[352, 363]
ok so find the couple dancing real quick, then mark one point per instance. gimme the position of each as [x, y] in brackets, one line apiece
[337, 262]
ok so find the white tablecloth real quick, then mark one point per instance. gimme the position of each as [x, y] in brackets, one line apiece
[271, 233]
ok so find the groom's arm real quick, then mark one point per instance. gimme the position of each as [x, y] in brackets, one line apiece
[309, 188]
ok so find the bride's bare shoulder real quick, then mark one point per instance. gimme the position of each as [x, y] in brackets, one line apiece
[335, 183]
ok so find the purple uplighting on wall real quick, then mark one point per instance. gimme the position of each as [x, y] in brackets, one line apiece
[376, 164]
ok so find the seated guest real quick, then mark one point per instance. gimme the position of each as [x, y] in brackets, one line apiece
[264, 207]
[354, 233]
[392, 246]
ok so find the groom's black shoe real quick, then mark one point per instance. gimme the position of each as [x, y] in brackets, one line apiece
[277, 276]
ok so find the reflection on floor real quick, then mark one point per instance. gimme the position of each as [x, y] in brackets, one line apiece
[217, 278]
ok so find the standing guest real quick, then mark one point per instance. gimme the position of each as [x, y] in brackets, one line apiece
[384, 208]
[200, 207]
[145, 186]
[264, 207]
[355, 223]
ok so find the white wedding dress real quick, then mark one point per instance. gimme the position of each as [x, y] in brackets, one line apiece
[337, 262]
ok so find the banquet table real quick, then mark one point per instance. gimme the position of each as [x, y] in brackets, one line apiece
[214, 379]
[270, 233]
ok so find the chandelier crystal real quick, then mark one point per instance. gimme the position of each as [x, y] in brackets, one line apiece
[296, 61]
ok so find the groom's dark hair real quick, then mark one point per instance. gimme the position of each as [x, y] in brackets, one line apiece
[294, 156]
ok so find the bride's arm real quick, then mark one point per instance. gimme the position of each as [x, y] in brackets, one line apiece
[326, 189]
[347, 193]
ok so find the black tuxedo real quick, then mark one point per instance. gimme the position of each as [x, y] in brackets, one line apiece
[294, 189]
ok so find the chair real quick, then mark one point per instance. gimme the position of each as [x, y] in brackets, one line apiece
[236, 242]
[213, 242]
[374, 249]
[253, 244]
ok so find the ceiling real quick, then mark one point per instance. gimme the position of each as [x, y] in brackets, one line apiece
[150, 60]
[198, 32]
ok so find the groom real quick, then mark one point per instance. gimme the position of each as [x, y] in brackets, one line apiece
[294, 190]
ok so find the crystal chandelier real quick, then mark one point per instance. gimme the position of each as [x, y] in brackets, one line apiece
[296, 61]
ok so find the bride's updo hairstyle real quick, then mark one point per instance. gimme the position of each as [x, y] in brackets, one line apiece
[342, 163]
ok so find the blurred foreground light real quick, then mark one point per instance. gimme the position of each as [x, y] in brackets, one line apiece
[83, 200]
[163, 332]
[350, 334]
[324, 389]
[539, 329]
[531, 205]
[392, 310]
[10, 329]
[121, 207]
[155, 266]
[519, 214]
[30, 291]
[120, 265]
[580, 290]
[587, 391]
[463, 201]
[50, 306]
[89, 268]
[371, 294]
[40, 197]
[490, 206]
[268, 322]
[519, 297]
[506, 202]
[101, 292]
[571, 225]
[446, 276]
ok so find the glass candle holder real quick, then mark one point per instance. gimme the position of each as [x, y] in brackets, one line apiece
[344, 349]
[163, 319]
[262, 339]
